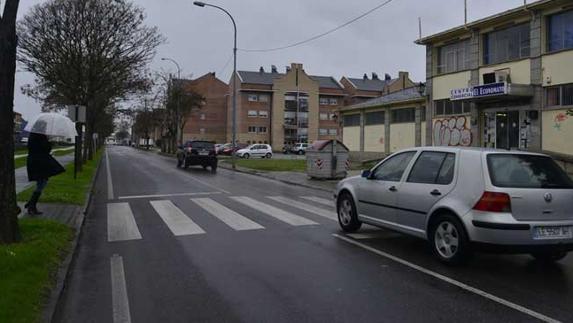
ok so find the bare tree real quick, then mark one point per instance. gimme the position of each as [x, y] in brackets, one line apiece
[87, 52]
[9, 231]
[182, 102]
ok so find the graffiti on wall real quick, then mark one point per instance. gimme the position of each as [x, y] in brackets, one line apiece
[454, 131]
[559, 119]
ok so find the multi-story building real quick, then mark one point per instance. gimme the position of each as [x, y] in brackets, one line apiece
[282, 108]
[208, 123]
[359, 90]
[505, 81]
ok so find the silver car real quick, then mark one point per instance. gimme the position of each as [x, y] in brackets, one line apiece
[464, 199]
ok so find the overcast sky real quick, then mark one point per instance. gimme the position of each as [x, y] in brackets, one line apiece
[200, 39]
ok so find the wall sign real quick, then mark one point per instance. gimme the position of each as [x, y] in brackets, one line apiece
[480, 91]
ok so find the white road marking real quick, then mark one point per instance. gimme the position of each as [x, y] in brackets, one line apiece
[228, 216]
[207, 184]
[179, 223]
[451, 281]
[119, 297]
[331, 215]
[121, 224]
[275, 212]
[373, 235]
[109, 182]
[320, 200]
[129, 197]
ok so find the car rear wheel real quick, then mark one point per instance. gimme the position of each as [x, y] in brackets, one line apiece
[449, 240]
[550, 256]
[347, 215]
[268, 155]
[246, 156]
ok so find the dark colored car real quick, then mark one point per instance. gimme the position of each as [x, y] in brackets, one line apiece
[228, 150]
[194, 153]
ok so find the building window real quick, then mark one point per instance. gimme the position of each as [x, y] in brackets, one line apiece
[447, 107]
[263, 114]
[372, 118]
[333, 132]
[423, 114]
[332, 116]
[202, 116]
[323, 132]
[454, 57]
[323, 116]
[507, 44]
[263, 98]
[252, 129]
[253, 98]
[252, 113]
[560, 31]
[202, 131]
[323, 101]
[561, 95]
[333, 101]
[351, 120]
[404, 115]
[262, 130]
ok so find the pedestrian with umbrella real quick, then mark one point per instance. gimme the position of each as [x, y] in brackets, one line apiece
[41, 165]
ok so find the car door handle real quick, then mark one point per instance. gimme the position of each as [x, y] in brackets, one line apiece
[436, 193]
[393, 189]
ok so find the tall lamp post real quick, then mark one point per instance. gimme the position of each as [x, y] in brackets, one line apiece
[234, 111]
[179, 135]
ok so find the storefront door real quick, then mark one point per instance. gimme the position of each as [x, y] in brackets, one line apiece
[501, 129]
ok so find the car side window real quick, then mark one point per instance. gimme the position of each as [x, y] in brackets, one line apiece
[393, 168]
[433, 168]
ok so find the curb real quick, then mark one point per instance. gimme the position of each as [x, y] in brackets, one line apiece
[255, 173]
[63, 274]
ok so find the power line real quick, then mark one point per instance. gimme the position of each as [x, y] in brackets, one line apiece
[225, 66]
[322, 34]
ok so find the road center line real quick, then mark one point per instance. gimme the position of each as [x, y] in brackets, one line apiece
[119, 297]
[164, 195]
[109, 182]
[451, 281]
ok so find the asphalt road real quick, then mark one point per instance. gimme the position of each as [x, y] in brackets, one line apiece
[161, 244]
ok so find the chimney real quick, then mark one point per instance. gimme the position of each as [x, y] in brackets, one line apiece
[374, 76]
[274, 69]
[404, 76]
[387, 77]
[261, 70]
[365, 77]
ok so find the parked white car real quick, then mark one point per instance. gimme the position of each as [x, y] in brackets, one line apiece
[299, 148]
[257, 150]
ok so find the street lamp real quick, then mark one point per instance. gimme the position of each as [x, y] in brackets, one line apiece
[234, 129]
[179, 130]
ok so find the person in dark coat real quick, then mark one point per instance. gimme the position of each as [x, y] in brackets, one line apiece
[41, 166]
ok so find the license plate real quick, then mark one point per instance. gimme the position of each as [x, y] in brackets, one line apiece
[203, 153]
[553, 232]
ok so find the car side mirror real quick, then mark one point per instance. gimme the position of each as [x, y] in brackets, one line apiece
[366, 173]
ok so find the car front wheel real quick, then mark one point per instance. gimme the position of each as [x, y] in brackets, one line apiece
[246, 156]
[347, 215]
[449, 240]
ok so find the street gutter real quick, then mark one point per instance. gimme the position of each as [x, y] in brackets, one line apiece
[50, 309]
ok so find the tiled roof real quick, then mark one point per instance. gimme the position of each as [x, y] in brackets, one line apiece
[368, 84]
[399, 96]
[266, 78]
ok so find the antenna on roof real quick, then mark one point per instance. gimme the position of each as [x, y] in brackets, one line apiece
[466, 12]
[420, 27]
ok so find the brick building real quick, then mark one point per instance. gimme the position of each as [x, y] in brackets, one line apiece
[359, 90]
[278, 108]
[209, 123]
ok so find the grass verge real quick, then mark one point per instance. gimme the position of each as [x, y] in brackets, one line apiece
[274, 165]
[21, 162]
[27, 268]
[64, 188]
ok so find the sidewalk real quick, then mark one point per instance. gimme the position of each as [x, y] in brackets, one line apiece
[22, 174]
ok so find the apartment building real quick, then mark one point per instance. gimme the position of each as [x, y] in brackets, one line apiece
[359, 90]
[281, 108]
[505, 81]
[208, 123]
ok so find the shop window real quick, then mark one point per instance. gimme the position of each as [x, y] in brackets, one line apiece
[403, 115]
[263, 114]
[507, 44]
[323, 101]
[351, 120]
[333, 132]
[560, 31]
[252, 113]
[561, 95]
[373, 118]
[454, 57]
[253, 98]
[448, 107]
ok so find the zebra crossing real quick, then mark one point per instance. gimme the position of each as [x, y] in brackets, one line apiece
[122, 224]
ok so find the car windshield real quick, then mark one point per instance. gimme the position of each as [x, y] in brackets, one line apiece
[200, 145]
[526, 171]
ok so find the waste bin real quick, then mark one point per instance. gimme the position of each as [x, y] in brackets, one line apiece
[327, 159]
